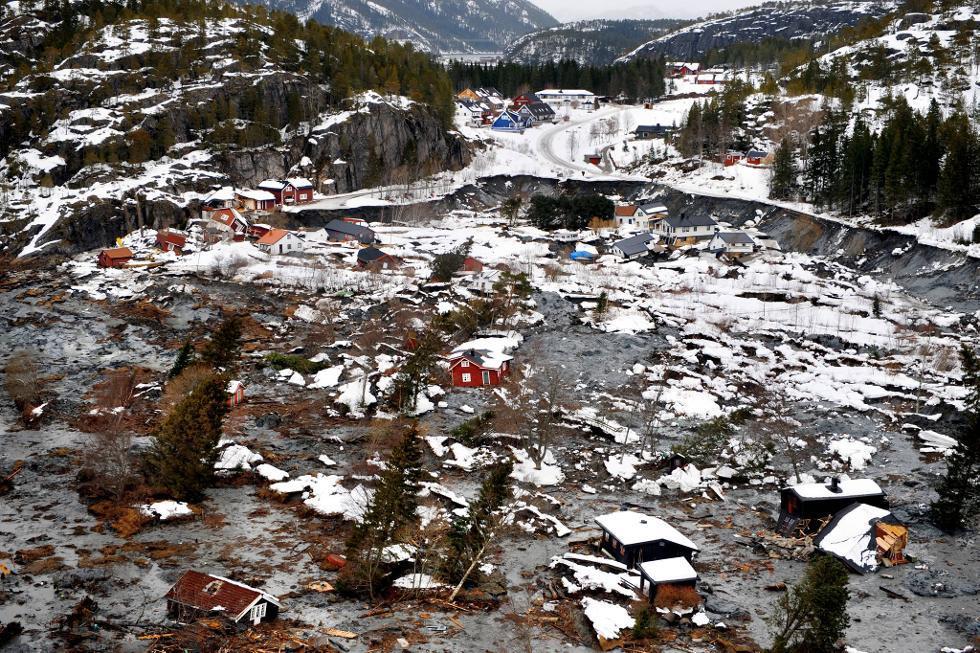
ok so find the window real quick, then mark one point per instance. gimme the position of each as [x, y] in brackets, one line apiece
[258, 612]
[466, 378]
[212, 588]
[465, 363]
[486, 377]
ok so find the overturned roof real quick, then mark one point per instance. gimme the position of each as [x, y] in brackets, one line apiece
[630, 527]
[851, 537]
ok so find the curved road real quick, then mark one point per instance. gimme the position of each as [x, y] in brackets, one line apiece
[546, 146]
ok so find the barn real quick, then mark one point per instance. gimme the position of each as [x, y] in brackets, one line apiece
[803, 507]
[196, 595]
[632, 537]
[116, 257]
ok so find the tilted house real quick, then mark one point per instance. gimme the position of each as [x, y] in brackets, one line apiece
[374, 258]
[222, 197]
[116, 257]
[667, 572]
[345, 230]
[634, 247]
[171, 241]
[197, 595]
[864, 537]
[281, 241]
[803, 507]
[230, 220]
[632, 538]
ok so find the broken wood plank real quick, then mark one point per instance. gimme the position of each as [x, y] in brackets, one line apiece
[336, 632]
[892, 593]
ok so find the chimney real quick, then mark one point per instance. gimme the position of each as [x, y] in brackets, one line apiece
[835, 485]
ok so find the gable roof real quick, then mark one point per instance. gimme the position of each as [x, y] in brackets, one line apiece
[371, 254]
[540, 110]
[630, 527]
[118, 253]
[656, 129]
[348, 228]
[625, 211]
[173, 237]
[634, 244]
[272, 237]
[668, 570]
[272, 184]
[224, 595]
[228, 217]
[735, 237]
[482, 358]
[223, 194]
[757, 154]
[257, 195]
[653, 207]
[300, 182]
[677, 221]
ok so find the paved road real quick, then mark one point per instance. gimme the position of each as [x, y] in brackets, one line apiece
[546, 145]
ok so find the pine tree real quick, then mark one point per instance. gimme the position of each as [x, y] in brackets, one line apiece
[184, 448]
[957, 181]
[416, 373]
[959, 489]
[222, 351]
[184, 358]
[812, 617]
[783, 180]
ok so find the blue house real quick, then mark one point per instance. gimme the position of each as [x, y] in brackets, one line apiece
[509, 121]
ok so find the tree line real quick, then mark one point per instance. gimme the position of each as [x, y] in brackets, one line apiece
[640, 78]
[917, 164]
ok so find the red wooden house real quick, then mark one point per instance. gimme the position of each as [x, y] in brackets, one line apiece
[116, 257]
[203, 595]
[295, 190]
[236, 393]
[473, 368]
[732, 157]
[233, 220]
[756, 158]
[171, 241]
[522, 100]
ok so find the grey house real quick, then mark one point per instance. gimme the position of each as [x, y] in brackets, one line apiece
[342, 230]
[634, 246]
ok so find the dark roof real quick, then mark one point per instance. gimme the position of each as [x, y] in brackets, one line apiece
[736, 237]
[756, 154]
[539, 110]
[370, 254]
[348, 228]
[634, 244]
[530, 97]
[859, 565]
[677, 221]
[206, 592]
[656, 129]
[650, 206]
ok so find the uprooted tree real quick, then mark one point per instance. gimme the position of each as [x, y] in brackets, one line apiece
[472, 534]
[959, 489]
[390, 511]
[185, 445]
[812, 616]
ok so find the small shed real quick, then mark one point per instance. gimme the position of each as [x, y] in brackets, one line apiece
[757, 158]
[171, 241]
[632, 537]
[732, 157]
[802, 507]
[236, 393]
[593, 157]
[668, 572]
[196, 594]
[116, 257]
[864, 538]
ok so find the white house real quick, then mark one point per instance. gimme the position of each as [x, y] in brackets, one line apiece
[281, 241]
[566, 97]
[731, 242]
[685, 228]
[634, 246]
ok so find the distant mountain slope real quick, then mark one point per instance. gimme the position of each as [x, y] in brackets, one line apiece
[589, 42]
[446, 25]
[802, 21]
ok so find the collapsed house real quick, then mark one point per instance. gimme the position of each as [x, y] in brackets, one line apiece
[196, 595]
[864, 538]
[669, 573]
[803, 508]
[632, 538]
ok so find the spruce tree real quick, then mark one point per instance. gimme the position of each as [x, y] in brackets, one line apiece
[959, 489]
[470, 535]
[957, 180]
[783, 178]
[222, 351]
[812, 617]
[184, 448]
[184, 358]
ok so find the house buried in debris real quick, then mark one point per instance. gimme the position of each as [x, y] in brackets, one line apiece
[864, 537]
[196, 595]
[632, 538]
[803, 507]
[669, 572]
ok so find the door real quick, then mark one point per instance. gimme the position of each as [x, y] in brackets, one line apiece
[486, 377]
[258, 613]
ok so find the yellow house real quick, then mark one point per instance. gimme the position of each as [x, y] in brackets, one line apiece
[468, 94]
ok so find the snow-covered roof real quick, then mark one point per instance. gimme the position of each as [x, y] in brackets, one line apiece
[564, 92]
[851, 536]
[272, 184]
[634, 244]
[735, 237]
[490, 360]
[668, 570]
[653, 207]
[257, 195]
[630, 527]
[859, 487]
[223, 194]
[300, 182]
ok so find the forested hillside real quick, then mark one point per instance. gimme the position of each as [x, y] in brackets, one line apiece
[588, 42]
